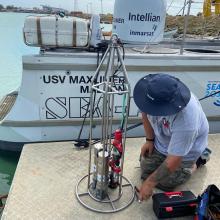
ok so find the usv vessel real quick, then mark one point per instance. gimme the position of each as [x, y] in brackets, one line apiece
[53, 99]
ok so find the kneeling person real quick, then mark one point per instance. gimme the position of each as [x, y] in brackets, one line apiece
[176, 129]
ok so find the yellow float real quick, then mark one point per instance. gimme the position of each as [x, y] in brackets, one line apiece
[216, 3]
[207, 7]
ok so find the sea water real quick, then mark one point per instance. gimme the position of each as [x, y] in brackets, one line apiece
[12, 48]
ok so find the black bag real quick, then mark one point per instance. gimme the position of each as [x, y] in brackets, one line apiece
[174, 204]
[209, 204]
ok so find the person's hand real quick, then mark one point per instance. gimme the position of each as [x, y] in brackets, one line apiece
[147, 148]
[146, 190]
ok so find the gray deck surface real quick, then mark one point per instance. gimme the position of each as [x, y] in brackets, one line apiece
[46, 176]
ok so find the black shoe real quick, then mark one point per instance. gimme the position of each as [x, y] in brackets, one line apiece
[204, 158]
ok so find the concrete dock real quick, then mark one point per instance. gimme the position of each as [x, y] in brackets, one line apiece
[44, 183]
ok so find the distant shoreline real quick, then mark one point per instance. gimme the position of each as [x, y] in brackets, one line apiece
[105, 18]
[26, 12]
[198, 25]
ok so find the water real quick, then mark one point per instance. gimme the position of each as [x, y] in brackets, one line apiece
[8, 163]
[11, 50]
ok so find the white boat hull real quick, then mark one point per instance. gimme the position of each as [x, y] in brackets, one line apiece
[54, 94]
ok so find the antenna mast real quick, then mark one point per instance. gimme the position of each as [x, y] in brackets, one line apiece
[101, 7]
[76, 5]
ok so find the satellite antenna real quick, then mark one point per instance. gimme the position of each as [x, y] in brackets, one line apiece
[136, 22]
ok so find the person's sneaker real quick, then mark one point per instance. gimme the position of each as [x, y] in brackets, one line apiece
[204, 158]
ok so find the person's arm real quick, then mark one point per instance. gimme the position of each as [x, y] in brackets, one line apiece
[169, 166]
[147, 127]
[149, 145]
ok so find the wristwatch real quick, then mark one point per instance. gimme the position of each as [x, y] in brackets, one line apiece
[150, 139]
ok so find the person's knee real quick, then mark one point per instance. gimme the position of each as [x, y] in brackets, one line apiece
[179, 177]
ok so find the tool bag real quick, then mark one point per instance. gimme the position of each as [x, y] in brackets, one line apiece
[209, 204]
[174, 204]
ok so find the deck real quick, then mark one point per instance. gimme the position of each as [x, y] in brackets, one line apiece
[47, 174]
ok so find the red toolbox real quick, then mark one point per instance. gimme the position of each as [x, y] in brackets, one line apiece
[174, 204]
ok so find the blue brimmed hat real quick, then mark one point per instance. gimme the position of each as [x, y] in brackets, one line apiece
[161, 94]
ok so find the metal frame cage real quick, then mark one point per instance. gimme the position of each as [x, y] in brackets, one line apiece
[101, 190]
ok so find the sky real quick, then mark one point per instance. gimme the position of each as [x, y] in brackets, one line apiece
[94, 6]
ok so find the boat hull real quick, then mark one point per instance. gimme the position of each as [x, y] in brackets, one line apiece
[54, 95]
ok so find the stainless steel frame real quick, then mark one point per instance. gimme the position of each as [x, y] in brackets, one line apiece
[111, 202]
[108, 91]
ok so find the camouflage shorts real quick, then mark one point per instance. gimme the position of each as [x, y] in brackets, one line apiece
[150, 163]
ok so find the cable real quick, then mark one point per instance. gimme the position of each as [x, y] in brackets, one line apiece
[183, 7]
[170, 5]
[102, 47]
[123, 111]
[117, 71]
[209, 96]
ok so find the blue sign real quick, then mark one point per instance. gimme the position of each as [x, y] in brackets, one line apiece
[211, 88]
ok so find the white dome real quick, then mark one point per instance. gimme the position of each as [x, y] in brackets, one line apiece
[140, 21]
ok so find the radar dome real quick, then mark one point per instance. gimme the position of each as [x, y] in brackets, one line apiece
[140, 21]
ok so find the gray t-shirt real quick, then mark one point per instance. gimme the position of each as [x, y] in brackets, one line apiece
[183, 134]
